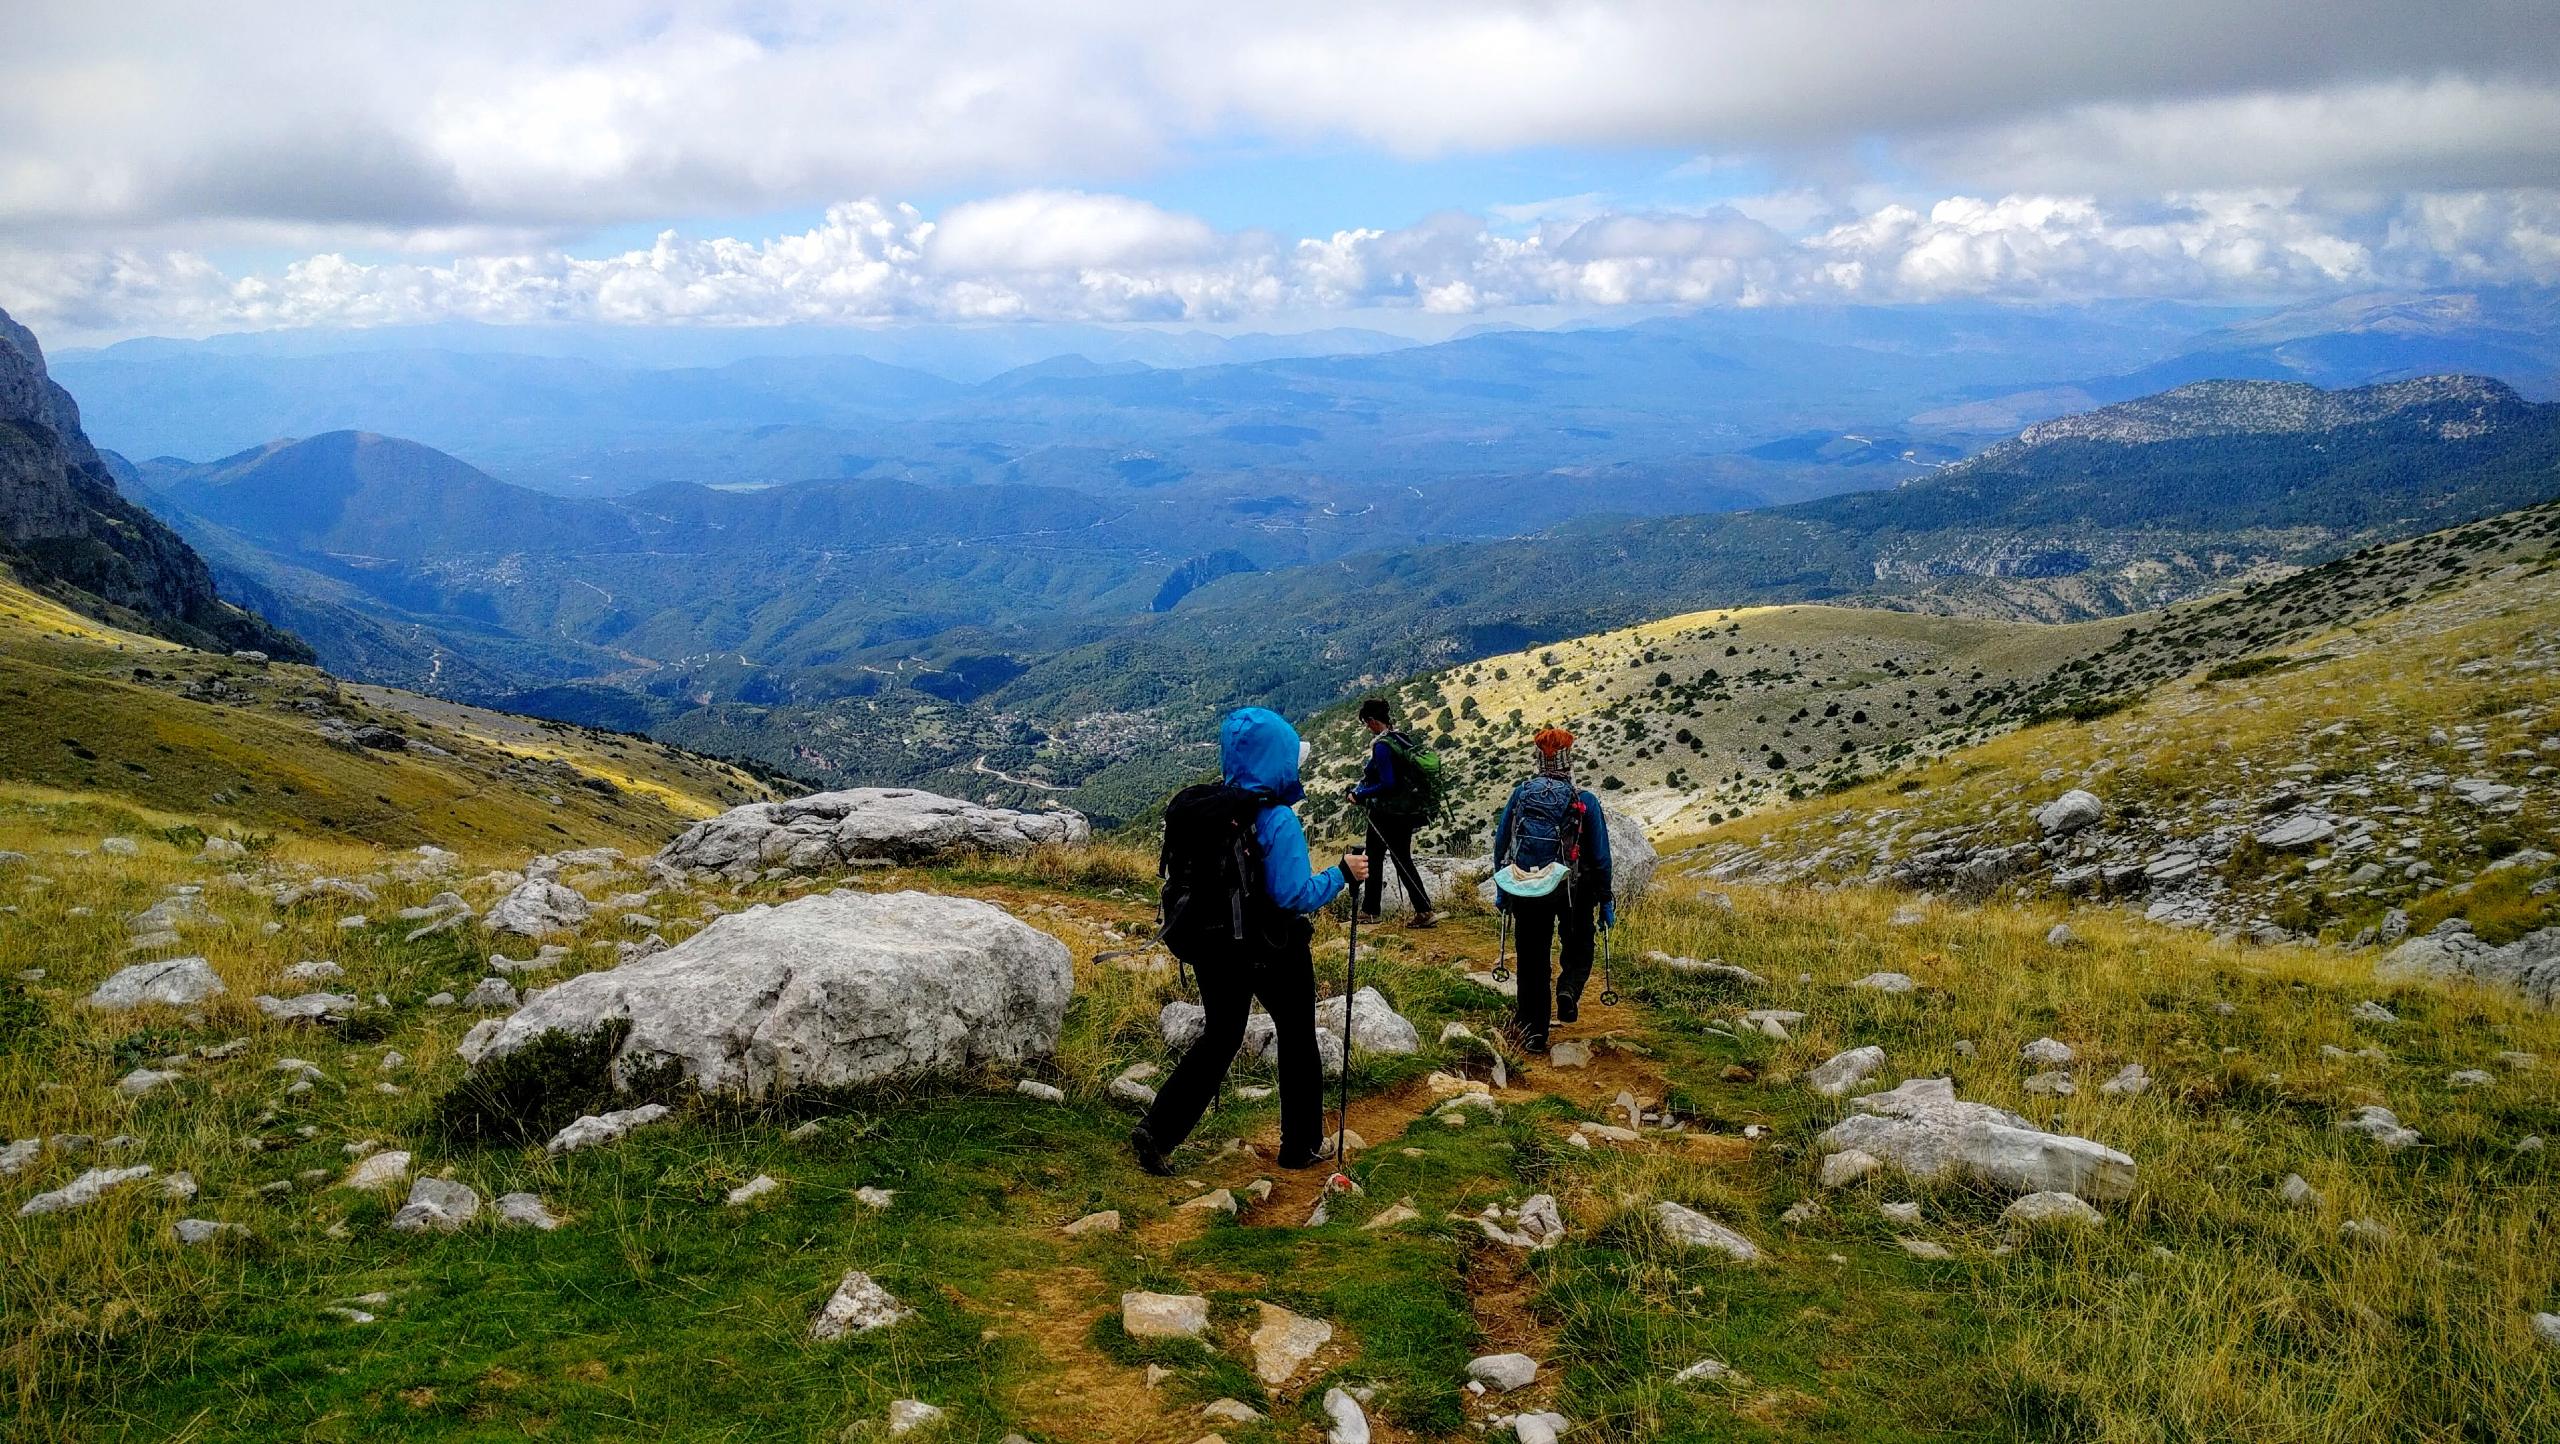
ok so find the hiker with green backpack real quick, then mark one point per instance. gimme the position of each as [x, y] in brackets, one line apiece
[1552, 881]
[1400, 791]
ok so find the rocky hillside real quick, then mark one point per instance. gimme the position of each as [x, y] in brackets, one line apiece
[65, 530]
[2452, 408]
[2375, 757]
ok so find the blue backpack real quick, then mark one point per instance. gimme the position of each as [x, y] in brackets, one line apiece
[1546, 837]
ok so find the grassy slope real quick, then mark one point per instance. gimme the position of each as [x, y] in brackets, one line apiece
[99, 715]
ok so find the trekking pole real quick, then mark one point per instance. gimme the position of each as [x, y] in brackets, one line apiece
[1350, 985]
[1502, 951]
[1608, 984]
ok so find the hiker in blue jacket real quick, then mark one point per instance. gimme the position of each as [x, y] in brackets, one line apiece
[1551, 874]
[1259, 756]
[1394, 808]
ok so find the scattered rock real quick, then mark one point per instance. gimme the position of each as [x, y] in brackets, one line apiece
[1046, 1093]
[1350, 1426]
[168, 983]
[377, 1170]
[538, 906]
[1848, 1166]
[197, 1232]
[2381, 1125]
[1146, 1315]
[1842, 1072]
[856, 1307]
[1107, 1221]
[1696, 1230]
[2069, 813]
[2051, 1085]
[491, 995]
[2046, 1053]
[80, 1192]
[2050, 1210]
[1505, 1372]
[526, 1210]
[1886, 983]
[2297, 1192]
[2131, 1081]
[598, 1128]
[144, 1080]
[310, 1007]
[1229, 1411]
[1376, 1028]
[2370, 1011]
[908, 1415]
[1569, 1054]
[1924, 1130]
[753, 1189]
[436, 1205]
[1283, 1342]
[824, 991]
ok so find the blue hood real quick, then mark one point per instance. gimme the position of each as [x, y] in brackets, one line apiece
[1258, 751]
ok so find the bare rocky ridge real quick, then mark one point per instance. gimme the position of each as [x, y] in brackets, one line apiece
[864, 825]
[64, 527]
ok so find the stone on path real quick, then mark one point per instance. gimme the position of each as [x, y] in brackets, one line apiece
[1229, 1411]
[1376, 1028]
[436, 1205]
[1146, 1315]
[1107, 1221]
[1350, 1425]
[856, 1307]
[1844, 1071]
[1923, 1129]
[1216, 1200]
[80, 1192]
[526, 1210]
[1283, 1342]
[1505, 1372]
[827, 991]
[598, 1128]
[1569, 1055]
[1687, 1226]
[168, 983]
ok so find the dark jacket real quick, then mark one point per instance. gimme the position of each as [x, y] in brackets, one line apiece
[1379, 778]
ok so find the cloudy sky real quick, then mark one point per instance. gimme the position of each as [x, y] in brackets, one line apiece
[179, 168]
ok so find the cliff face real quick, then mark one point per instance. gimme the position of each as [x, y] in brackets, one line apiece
[66, 531]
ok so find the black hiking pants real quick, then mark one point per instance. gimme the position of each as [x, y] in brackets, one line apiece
[1391, 838]
[1535, 922]
[1286, 984]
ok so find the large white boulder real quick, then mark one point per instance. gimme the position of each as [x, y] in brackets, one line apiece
[2070, 812]
[824, 991]
[2530, 964]
[837, 829]
[1923, 1129]
[538, 906]
[1376, 1028]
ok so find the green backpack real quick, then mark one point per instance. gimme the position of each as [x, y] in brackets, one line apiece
[1421, 785]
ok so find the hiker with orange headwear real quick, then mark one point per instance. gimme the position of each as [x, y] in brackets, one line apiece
[1551, 874]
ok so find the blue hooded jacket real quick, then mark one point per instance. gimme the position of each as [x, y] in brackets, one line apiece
[1258, 752]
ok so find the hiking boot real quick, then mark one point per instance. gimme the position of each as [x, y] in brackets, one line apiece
[1321, 1153]
[1369, 917]
[1534, 1043]
[1425, 920]
[1568, 1007]
[1150, 1157]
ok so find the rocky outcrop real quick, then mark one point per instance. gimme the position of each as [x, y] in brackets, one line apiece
[832, 830]
[2530, 964]
[1923, 1129]
[66, 531]
[827, 991]
[170, 982]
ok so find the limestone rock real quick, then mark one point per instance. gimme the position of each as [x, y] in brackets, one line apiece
[856, 1307]
[168, 982]
[2046, 1053]
[1376, 1028]
[538, 906]
[1922, 1129]
[377, 1170]
[906, 1416]
[1848, 1166]
[437, 1205]
[598, 1128]
[144, 1080]
[2297, 1192]
[2530, 965]
[80, 1192]
[197, 1232]
[2050, 1210]
[834, 830]
[824, 991]
[1688, 1226]
[526, 1210]
[2132, 1080]
[309, 1008]
[1350, 1425]
[1505, 1372]
[2381, 1125]
[2069, 813]
[1886, 983]
[1107, 1221]
[1146, 1315]
[753, 1189]
[1842, 1072]
[1283, 1342]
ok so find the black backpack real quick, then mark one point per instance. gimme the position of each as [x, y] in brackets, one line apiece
[1214, 899]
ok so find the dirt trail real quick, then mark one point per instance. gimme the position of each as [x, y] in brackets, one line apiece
[1080, 1394]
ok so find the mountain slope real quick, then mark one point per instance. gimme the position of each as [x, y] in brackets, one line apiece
[64, 527]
